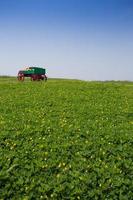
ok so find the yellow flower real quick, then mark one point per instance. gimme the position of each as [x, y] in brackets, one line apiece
[58, 175]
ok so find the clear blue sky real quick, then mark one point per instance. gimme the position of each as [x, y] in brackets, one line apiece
[83, 39]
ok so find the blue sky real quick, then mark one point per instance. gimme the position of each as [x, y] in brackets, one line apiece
[83, 39]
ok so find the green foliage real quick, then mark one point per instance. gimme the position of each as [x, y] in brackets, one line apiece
[66, 139]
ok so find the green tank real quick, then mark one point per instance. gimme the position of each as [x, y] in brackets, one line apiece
[33, 70]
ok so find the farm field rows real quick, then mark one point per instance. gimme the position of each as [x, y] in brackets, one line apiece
[66, 139]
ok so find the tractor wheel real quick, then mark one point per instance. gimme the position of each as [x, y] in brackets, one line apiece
[46, 78]
[21, 77]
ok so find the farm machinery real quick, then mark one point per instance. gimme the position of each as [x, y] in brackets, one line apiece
[35, 73]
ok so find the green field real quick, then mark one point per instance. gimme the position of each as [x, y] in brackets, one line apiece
[66, 139]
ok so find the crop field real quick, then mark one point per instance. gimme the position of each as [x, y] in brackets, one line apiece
[66, 139]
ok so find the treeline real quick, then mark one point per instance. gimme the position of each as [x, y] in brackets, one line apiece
[6, 76]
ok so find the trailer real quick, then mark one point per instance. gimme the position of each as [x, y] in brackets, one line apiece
[35, 74]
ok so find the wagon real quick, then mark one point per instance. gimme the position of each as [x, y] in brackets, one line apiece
[35, 73]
